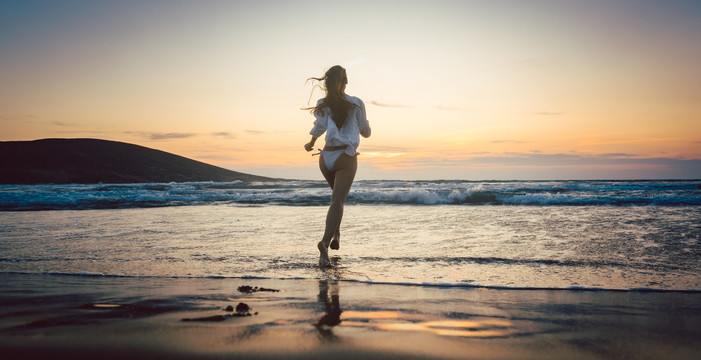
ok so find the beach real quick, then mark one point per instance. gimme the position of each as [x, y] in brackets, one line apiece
[426, 270]
[87, 317]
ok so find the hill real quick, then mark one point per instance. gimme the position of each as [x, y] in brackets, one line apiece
[86, 161]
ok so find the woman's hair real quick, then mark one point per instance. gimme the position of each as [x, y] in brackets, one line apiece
[334, 83]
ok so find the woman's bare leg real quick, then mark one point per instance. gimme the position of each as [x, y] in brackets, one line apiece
[343, 175]
[330, 177]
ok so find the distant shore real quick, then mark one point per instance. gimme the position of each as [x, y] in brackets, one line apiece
[92, 161]
[88, 317]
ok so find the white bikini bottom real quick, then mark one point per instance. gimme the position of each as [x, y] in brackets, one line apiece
[330, 157]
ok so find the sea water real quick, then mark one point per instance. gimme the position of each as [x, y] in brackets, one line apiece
[616, 235]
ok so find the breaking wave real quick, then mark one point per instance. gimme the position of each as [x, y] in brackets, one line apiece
[315, 193]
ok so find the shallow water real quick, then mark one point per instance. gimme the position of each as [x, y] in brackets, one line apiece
[610, 247]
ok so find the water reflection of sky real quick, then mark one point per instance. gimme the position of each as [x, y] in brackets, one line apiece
[388, 320]
[396, 321]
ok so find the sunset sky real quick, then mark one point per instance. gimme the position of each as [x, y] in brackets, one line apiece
[454, 89]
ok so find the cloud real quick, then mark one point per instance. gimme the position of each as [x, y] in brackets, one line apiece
[83, 132]
[376, 103]
[400, 106]
[161, 136]
[167, 136]
[174, 135]
[255, 132]
[225, 134]
[386, 149]
[263, 132]
[534, 165]
[559, 159]
[372, 154]
[617, 155]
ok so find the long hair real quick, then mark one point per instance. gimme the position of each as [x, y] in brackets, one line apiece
[334, 83]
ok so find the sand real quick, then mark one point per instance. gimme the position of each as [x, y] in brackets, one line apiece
[93, 317]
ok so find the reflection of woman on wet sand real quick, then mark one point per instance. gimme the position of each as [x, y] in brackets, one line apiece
[332, 316]
[343, 119]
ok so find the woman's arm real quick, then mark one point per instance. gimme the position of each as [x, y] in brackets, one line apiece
[363, 123]
[320, 124]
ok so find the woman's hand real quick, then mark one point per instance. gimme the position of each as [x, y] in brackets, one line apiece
[310, 145]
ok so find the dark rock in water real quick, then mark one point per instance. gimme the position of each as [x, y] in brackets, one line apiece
[251, 289]
[271, 290]
[215, 318]
[245, 289]
[242, 308]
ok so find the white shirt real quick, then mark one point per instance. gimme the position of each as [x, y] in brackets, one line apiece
[357, 124]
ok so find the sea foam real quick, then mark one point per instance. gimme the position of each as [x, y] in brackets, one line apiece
[315, 193]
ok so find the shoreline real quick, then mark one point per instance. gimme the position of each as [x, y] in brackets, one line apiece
[368, 282]
[142, 317]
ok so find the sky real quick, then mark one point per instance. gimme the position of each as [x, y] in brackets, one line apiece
[472, 90]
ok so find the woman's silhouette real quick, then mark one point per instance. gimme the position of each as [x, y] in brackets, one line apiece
[343, 119]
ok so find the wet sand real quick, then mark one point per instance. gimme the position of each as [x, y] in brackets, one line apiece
[87, 317]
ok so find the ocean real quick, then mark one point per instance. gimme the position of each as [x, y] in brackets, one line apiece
[584, 235]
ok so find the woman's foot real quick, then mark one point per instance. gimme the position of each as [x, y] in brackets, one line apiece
[324, 260]
[336, 242]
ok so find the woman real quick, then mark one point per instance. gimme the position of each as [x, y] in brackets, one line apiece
[343, 119]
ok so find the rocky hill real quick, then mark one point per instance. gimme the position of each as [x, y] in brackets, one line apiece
[86, 161]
